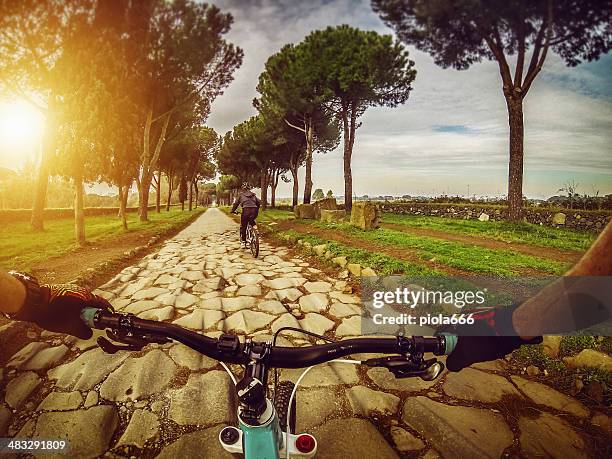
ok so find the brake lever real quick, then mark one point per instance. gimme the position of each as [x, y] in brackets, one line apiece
[132, 342]
[406, 367]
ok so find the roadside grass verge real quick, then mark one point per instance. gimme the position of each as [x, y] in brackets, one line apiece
[20, 248]
[562, 375]
[520, 232]
[384, 265]
[454, 254]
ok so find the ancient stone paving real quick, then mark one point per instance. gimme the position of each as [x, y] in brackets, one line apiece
[170, 401]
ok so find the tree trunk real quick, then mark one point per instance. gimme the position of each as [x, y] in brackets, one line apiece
[79, 214]
[158, 197]
[149, 161]
[349, 125]
[123, 195]
[515, 167]
[190, 195]
[170, 184]
[309, 148]
[264, 189]
[273, 189]
[294, 174]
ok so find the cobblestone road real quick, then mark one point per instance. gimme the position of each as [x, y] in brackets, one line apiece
[172, 402]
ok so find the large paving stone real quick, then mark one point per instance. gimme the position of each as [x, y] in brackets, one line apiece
[283, 283]
[184, 300]
[550, 436]
[458, 431]
[248, 279]
[314, 302]
[287, 320]
[349, 327]
[341, 310]
[143, 426]
[139, 377]
[201, 319]
[46, 358]
[158, 314]
[365, 401]
[247, 321]
[141, 306]
[201, 443]
[351, 438]
[20, 388]
[22, 356]
[249, 290]
[544, 395]
[61, 401]
[88, 431]
[165, 279]
[384, 379]
[316, 405]
[318, 287]
[204, 400]
[191, 359]
[238, 303]
[316, 323]
[192, 276]
[471, 384]
[345, 298]
[405, 441]
[272, 306]
[330, 374]
[288, 294]
[87, 370]
[149, 293]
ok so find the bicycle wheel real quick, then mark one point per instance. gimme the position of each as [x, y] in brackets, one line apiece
[281, 403]
[254, 243]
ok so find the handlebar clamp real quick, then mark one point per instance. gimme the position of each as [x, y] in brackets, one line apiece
[228, 343]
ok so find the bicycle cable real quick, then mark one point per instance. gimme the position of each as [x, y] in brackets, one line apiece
[293, 392]
[306, 332]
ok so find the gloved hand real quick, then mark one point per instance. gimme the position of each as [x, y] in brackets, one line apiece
[59, 309]
[492, 336]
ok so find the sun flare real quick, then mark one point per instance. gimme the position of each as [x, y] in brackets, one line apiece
[21, 127]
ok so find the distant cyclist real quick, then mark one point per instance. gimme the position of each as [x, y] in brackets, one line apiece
[250, 208]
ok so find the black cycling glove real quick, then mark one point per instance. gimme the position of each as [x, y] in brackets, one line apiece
[57, 308]
[492, 336]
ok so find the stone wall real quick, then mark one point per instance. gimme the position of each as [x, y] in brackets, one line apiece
[593, 221]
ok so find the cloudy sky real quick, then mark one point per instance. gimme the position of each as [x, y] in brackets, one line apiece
[452, 133]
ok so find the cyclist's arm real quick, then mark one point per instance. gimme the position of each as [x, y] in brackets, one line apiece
[236, 204]
[546, 306]
[13, 294]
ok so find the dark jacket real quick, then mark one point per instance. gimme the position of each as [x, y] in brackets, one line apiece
[246, 199]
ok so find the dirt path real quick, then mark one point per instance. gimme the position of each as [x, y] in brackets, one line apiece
[482, 241]
[167, 401]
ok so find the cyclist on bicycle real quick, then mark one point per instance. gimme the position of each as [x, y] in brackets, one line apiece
[250, 208]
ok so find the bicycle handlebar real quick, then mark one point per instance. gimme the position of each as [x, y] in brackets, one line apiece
[228, 349]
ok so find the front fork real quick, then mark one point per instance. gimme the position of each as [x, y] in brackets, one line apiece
[266, 440]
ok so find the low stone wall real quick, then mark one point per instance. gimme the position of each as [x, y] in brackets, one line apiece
[21, 215]
[593, 221]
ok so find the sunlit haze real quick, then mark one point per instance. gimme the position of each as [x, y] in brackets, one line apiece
[21, 127]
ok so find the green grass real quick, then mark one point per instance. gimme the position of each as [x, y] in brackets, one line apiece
[520, 232]
[455, 254]
[271, 215]
[20, 248]
[570, 345]
[384, 265]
